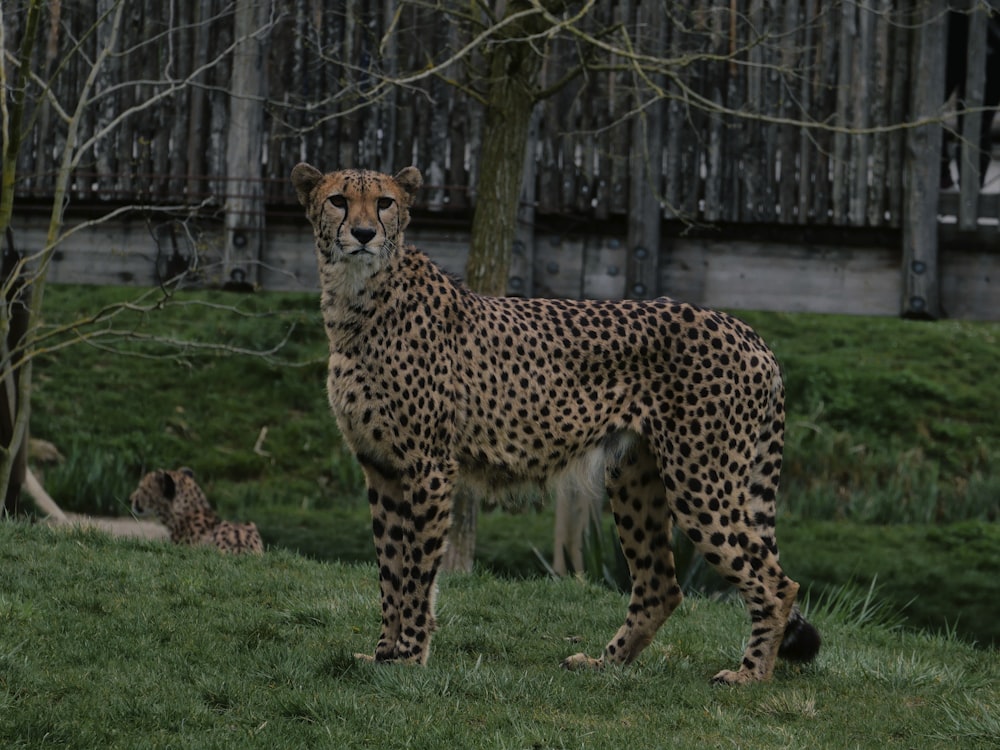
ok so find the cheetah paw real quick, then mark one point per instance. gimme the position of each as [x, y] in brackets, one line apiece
[729, 677]
[579, 662]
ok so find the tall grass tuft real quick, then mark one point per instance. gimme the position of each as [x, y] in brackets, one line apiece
[831, 474]
[846, 605]
[94, 480]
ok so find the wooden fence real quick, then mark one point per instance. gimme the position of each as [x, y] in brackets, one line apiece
[792, 113]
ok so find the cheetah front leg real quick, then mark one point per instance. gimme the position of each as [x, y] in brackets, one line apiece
[410, 520]
[384, 497]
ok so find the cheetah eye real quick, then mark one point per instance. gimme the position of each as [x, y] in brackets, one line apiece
[384, 203]
[338, 201]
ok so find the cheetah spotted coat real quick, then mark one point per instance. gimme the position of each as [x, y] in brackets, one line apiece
[681, 409]
[175, 498]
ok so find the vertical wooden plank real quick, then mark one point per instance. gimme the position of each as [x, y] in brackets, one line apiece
[548, 184]
[880, 102]
[620, 103]
[808, 81]
[331, 80]
[437, 140]
[42, 157]
[520, 282]
[599, 95]
[89, 46]
[861, 107]
[901, 42]
[458, 129]
[244, 207]
[387, 53]
[825, 102]
[752, 128]
[672, 177]
[841, 140]
[197, 121]
[736, 96]
[105, 89]
[181, 50]
[975, 81]
[163, 113]
[769, 131]
[644, 220]
[715, 151]
[568, 105]
[348, 124]
[923, 144]
[791, 175]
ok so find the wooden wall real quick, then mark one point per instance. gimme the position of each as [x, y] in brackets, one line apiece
[786, 113]
[826, 272]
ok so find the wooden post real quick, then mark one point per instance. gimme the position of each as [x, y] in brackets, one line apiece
[642, 277]
[973, 121]
[521, 277]
[922, 166]
[245, 139]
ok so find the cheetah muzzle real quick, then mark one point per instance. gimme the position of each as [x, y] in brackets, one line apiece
[680, 408]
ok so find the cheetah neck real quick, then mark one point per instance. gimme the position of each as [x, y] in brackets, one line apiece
[192, 519]
[351, 300]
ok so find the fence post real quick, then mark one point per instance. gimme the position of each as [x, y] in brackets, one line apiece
[973, 122]
[922, 165]
[642, 267]
[521, 277]
[244, 221]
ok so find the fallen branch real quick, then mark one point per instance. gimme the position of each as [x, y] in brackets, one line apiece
[42, 499]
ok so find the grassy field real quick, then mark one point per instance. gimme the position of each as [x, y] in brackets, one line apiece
[891, 425]
[889, 421]
[117, 644]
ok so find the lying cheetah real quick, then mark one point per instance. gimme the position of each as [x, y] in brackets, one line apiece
[682, 410]
[180, 505]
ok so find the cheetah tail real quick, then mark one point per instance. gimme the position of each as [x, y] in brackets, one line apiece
[801, 640]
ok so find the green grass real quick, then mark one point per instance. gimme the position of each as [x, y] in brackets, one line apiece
[117, 644]
[890, 422]
[175, 386]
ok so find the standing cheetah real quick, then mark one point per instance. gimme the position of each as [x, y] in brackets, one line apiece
[682, 410]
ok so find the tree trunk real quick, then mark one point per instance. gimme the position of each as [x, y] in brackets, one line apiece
[16, 318]
[513, 70]
[13, 314]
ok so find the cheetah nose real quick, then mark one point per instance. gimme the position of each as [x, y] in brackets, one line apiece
[363, 234]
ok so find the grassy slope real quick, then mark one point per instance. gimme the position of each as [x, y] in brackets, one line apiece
[129, 645]
[889, 421]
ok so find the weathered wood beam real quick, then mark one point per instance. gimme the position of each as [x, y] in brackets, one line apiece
[920, 297]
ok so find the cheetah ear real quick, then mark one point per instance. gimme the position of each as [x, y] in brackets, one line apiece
[411, 181]
[186, 471]
[167, 485]
[305, 178]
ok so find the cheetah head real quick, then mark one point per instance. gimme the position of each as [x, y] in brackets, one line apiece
[358, 217]
[159, 490]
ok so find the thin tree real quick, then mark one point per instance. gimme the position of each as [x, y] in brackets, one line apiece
[91, 112]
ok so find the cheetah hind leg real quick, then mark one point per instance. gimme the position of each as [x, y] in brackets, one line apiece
[638, 499]
[769, 594]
